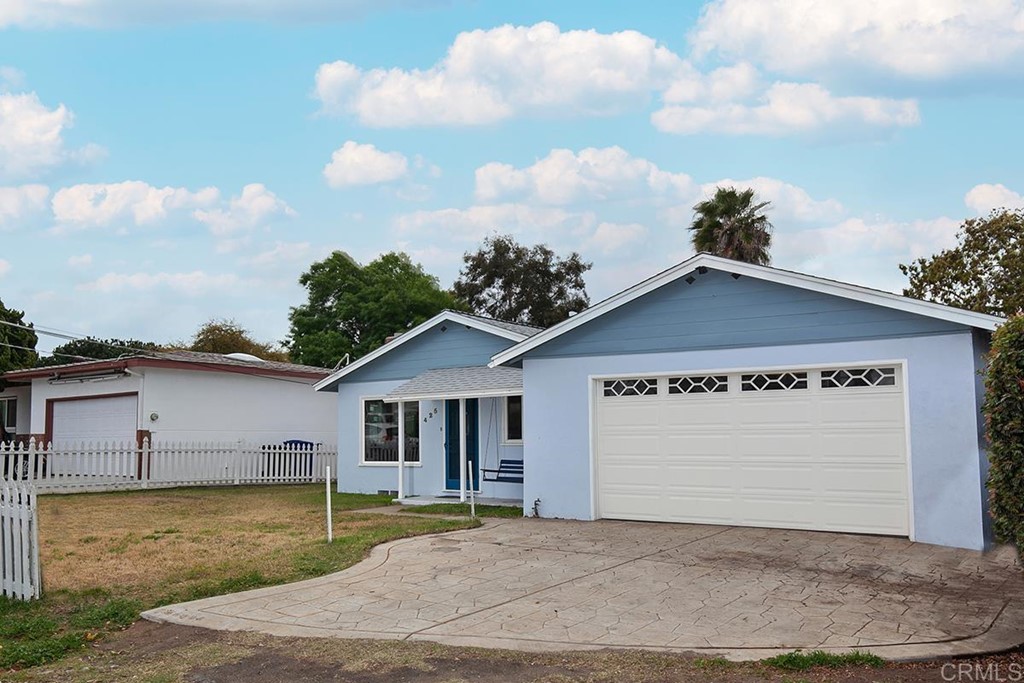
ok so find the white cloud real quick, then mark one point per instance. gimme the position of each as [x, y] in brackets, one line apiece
[476, 222]
[5, 267]
[283, 253]
[492, 75]
[610, 238]
[566, 177]
[911, 39]
[102, 204]
[789, 202]
[99, 13]
[195, 283]
[985, 198]
[11, 78]
[80, 261]
[253, 207]
[32, 136]
[864, 251]
[18, 203]
[787, 108]
[356, 164]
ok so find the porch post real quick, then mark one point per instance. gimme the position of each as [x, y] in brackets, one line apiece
[463, 460]
[401, 450]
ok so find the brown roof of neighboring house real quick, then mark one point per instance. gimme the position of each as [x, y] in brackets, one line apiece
[180, 360]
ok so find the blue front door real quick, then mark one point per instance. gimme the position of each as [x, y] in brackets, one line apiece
[451, 443]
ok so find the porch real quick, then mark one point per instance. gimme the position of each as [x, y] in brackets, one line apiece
[492, 468]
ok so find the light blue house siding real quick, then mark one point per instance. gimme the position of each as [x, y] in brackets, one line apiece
[454, 346]
[717, 311]
[748, 323]
[445, 345]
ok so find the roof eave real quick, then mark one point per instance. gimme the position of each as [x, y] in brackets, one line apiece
[332, 380]
[810, 282]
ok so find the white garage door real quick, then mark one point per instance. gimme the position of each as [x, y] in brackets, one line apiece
[111, 419]
[809, 449]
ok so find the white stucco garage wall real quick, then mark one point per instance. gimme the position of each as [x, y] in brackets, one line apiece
[947, 501]
[222, 406]
[43, 391]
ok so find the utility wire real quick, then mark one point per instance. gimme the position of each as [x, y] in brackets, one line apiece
[46, 353]
[169, 355]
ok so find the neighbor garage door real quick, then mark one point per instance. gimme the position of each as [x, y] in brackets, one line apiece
[806, 449]
[95, 420]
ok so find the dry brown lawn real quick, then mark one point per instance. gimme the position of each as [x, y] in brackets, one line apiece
[167, 540]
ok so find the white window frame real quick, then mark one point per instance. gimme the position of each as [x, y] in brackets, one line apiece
[10, 429]
[505, 440]
[363, 400]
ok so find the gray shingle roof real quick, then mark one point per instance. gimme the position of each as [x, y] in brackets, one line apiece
[460, 383]
[182, 357]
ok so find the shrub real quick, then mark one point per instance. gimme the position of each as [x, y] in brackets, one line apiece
[802, 661]
[1004, 422]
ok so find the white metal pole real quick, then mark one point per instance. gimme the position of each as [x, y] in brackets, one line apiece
[401, 450]
[330, 518]
[462, 450]
[472, 493]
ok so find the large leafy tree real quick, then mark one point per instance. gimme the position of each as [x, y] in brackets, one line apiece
[17, 344]
[733, 224]
[983, 273]
[227, 336]
[352, 309]
[506, 280]
[95, 349]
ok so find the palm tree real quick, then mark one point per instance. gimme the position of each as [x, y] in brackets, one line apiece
[732, 224]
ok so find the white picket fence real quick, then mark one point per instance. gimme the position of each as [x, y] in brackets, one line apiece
[19, 542]
[107, 466]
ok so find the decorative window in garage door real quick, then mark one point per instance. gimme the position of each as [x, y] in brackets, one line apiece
[705, 384]
[858, 377]
[774, 381]
[631, 387]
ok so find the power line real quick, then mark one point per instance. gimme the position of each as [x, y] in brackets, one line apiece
[46, 353]
[148, 352]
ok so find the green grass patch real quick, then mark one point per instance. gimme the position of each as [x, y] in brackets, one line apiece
[802, 661]
[463, 509]
[283, 545]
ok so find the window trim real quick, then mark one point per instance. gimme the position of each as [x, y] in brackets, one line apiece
[505, 440]
[10, 429]
[362, 435]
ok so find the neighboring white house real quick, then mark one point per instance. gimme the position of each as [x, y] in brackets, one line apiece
[169, 397]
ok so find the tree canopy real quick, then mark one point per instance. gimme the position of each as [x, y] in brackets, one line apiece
[508, 281]
[732, 224]
[227, 336]
[94, 349]
[983, 273]
[17, 345]
[352, 308]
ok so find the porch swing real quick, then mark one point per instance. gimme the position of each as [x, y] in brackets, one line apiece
[508, 471]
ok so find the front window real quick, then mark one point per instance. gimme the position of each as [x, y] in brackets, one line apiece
[513, 419]
[380, 432]
[9, 414]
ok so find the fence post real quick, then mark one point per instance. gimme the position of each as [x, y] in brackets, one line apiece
[330, 518]
[236, 461]
[144, 464]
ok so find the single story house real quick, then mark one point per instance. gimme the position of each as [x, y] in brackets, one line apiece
[179, 396]
[716, 392]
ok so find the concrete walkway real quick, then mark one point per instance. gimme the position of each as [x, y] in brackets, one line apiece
[559, 585]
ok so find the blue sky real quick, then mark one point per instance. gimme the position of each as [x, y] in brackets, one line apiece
[168, 162]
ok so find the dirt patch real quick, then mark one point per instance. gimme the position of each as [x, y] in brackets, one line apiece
[169, 653]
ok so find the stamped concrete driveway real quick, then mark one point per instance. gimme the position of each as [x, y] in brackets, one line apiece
[738, 592]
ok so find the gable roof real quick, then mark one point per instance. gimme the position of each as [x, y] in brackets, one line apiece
[739, 268]
[511, 331]
[180, 360]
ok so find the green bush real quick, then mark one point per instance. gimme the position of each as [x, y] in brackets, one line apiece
[1004, 421]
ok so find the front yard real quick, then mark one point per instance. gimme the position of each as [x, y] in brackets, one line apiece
[108, 556]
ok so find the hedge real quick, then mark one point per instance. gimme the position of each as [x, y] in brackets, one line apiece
[1004, 422]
